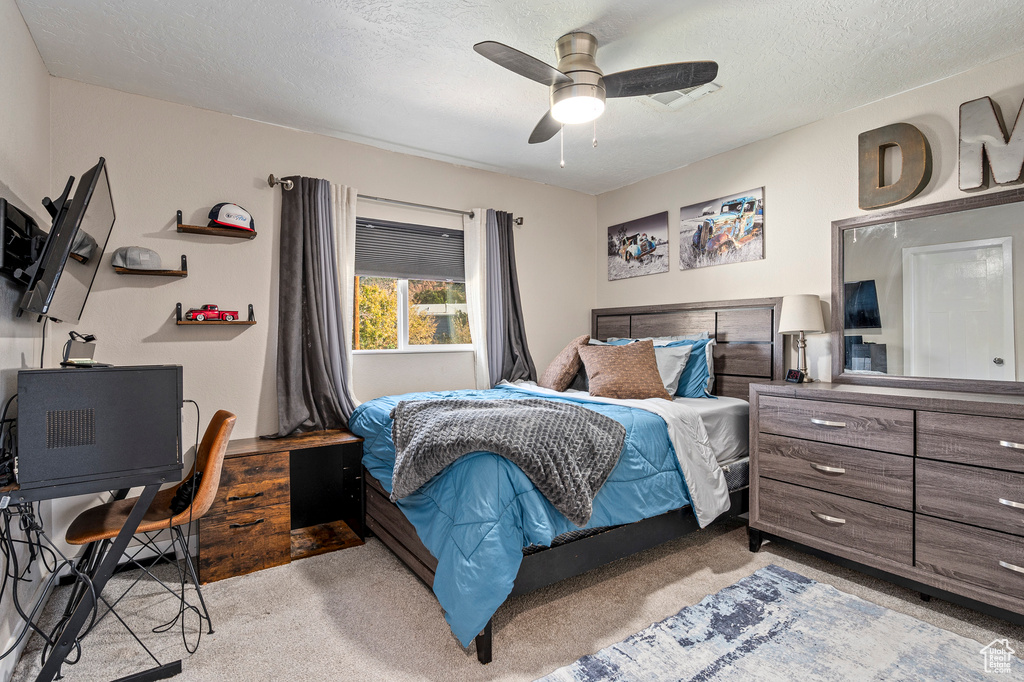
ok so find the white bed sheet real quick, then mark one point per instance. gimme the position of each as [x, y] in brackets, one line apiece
[727, 421]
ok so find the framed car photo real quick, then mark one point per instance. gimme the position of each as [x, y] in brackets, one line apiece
[728, 229]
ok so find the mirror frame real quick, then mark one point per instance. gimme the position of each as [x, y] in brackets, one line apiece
[839, 228]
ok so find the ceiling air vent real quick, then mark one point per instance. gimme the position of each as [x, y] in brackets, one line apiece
[678, 98]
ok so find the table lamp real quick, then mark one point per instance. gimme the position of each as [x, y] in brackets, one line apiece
[801, 314]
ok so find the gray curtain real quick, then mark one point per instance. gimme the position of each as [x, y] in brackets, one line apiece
[312, 371]
[508, 355]
[495, 304]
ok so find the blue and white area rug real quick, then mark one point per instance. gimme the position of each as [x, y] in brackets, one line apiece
[778, 625]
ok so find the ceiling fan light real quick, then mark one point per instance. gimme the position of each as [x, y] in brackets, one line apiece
[578, 109]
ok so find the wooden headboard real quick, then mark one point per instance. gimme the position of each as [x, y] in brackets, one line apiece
[749, 347]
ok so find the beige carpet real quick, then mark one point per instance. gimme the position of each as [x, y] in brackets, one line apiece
[359, 614]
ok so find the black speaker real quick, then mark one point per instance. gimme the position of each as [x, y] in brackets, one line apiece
[92, 427]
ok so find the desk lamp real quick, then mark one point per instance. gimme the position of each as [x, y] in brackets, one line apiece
[801, 314]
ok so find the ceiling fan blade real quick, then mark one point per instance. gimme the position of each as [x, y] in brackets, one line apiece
[521, 63]
[651, 80]
[545, 130]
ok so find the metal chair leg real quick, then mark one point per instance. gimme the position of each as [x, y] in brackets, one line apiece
[183, 543]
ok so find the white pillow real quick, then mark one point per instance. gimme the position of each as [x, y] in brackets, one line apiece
[671, 363]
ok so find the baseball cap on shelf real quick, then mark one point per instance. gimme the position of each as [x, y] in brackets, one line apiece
[135, 258]
[231, 215]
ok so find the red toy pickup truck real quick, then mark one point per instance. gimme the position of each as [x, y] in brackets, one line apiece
[211, 312]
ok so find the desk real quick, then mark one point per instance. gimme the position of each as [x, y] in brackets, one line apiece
[282, 499]
[152, 481]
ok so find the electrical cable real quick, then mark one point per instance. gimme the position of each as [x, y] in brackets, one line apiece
[183, 605]
[42, 349]
[18, 577]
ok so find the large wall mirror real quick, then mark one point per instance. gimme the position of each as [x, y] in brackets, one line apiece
[931, 296]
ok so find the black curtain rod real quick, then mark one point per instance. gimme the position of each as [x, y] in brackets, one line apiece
[288, 184]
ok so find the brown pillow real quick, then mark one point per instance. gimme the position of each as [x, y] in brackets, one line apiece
[629, 371]
[563, 368]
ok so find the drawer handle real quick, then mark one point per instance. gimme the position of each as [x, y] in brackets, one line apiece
[828, 519]
[827, 470]
[1018, 569]
[236, 498]
[246, 525]
[1011, 444]
[1010, 503]
[834, 425]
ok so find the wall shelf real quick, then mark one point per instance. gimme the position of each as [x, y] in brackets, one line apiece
[211, 323]
[156, 273]
[215, 231]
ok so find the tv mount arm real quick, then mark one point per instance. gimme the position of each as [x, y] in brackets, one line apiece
[54, 208]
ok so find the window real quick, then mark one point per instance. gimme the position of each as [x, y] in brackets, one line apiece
[410, 291]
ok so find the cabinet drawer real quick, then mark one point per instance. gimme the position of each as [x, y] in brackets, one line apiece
[970, 439]
[860, 426]
[980, 497]
[864, 474]
[842, 521]
[252, 481]
[981, 557]
[243, 542]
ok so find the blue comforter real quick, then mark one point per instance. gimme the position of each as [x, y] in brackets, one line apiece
[478, 514]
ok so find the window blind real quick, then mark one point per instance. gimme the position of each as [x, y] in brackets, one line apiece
[405, 251]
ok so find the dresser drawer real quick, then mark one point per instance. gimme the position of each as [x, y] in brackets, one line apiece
[842, 521]
[981, 557]
[252, 481]
[244, 542]
[980, 497]
[864, 474]
[861, 426]
[970, 439]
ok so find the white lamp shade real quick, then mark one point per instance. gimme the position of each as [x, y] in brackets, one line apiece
[801, 313]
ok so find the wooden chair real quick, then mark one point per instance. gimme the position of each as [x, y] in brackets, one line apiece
[98, 525]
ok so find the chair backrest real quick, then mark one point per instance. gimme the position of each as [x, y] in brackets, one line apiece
[209, 460]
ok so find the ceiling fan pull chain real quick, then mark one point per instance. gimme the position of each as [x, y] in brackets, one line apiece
[561, 145]
[595, 133]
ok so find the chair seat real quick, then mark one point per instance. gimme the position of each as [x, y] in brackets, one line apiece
[104, 522]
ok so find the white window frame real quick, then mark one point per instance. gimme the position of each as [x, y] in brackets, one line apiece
[403, 331]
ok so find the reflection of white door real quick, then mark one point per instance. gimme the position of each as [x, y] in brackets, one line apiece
[958, 310]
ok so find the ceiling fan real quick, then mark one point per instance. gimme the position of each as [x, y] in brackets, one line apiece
[579, 87]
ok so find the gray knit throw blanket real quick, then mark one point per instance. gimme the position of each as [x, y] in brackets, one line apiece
[566, 450]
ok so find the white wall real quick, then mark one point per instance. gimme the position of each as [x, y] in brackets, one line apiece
[163, 157]
[24, 181]
[810, 179]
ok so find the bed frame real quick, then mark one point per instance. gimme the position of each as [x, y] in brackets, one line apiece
[748, 349]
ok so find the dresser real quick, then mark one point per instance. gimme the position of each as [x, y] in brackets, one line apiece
[925, 488]
[282, 499]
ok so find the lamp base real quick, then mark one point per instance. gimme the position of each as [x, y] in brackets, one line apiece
[801, 359]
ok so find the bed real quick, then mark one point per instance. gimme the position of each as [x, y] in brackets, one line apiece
[748, 349]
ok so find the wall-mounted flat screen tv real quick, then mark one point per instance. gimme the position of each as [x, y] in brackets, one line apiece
[60, 280]
[861, 305]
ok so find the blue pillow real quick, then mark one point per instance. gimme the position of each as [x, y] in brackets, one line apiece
[698, 376]
[616, 342]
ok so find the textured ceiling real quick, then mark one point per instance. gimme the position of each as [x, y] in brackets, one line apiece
[403, 75]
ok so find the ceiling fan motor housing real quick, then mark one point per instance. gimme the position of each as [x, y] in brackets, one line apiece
[576, 54]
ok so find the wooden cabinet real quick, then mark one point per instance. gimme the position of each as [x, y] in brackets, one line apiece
[282, 499]
[923, 487]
